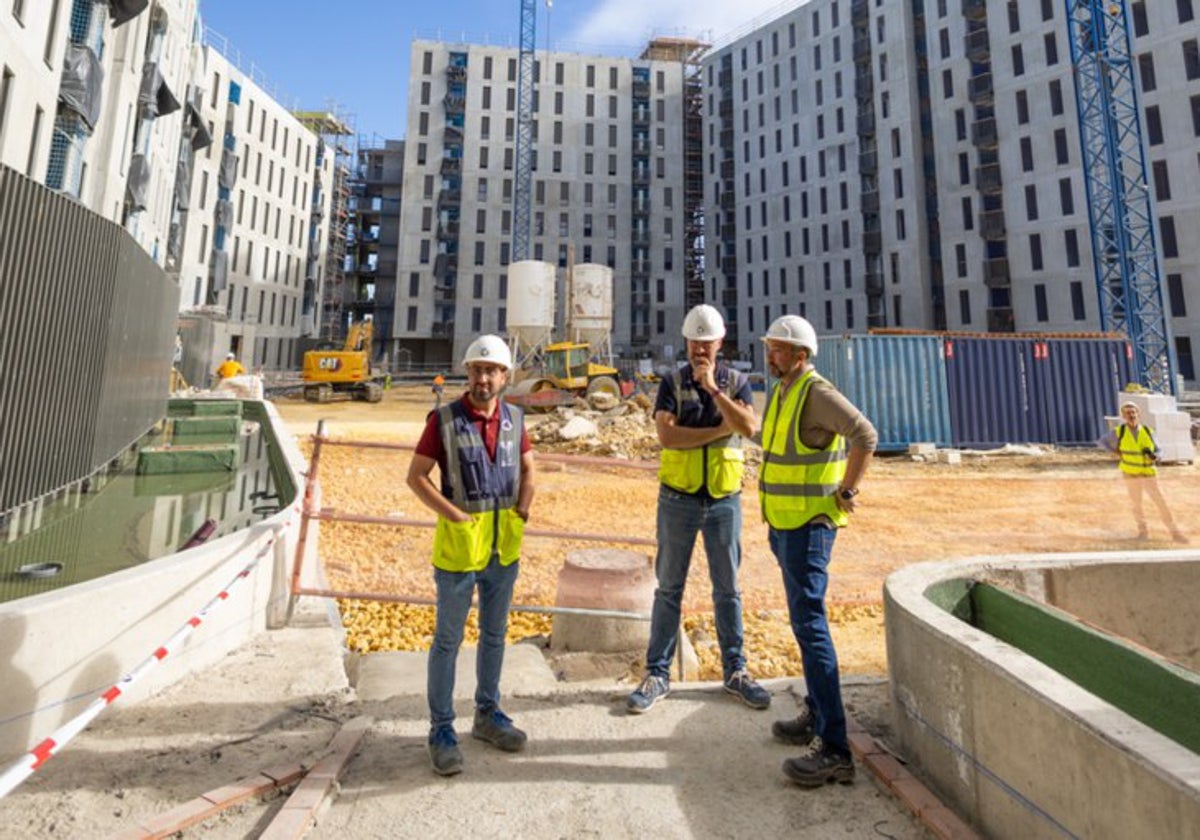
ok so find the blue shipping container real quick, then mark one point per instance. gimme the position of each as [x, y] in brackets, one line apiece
[898, 381]
[991, 399]
[1032, 390]
[1078, 380]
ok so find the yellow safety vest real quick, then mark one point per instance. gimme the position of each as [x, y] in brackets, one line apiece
[1130, 446]
[796, 483]
[717, 466]
[485, 489]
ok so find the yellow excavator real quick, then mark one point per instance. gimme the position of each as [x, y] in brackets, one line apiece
[567, 372]
[343, 373]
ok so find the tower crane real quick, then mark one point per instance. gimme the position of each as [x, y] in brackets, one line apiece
[523, 166]
[1120, 213]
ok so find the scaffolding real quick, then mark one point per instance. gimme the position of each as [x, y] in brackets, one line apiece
[337, 137]
[688, 52]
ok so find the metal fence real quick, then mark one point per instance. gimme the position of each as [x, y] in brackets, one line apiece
[87, 324]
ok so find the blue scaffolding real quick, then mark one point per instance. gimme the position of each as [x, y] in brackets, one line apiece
[1120, 210]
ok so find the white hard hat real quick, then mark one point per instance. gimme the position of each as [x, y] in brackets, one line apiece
[230, 356]
[491, 349]
[703, 323]
[792, 329]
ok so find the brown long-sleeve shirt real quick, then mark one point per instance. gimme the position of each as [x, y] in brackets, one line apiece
[827, 413]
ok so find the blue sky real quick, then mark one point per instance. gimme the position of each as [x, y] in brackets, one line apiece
[354, 54]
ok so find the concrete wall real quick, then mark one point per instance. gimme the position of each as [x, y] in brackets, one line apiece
[1017, 748]
[63, 648]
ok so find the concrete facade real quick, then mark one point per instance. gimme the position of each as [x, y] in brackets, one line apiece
[584, 194]
[276, 242]
[1013, 745]
[277, 233]
[959, 155]
[51, 143]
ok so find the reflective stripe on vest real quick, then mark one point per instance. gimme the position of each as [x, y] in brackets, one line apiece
[797, 483]
[487, 489]
[1130, 446]
[717, 466]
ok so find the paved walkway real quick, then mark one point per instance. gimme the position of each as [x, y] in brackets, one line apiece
[698, 765]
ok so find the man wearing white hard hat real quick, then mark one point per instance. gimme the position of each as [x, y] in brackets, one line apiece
[485, 462]
[230, 368]
[702, 413]
[1137, 454]
[807, 487]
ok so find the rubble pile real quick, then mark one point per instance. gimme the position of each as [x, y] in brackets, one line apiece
[624, 430]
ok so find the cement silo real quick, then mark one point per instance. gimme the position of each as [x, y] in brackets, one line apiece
[590, 307]
[530, 306]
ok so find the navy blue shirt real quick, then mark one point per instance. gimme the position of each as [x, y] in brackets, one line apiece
[701, 412]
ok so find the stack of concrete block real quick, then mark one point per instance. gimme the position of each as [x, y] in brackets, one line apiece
[1172, 427]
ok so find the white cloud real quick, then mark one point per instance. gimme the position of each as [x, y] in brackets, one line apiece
[636, 21]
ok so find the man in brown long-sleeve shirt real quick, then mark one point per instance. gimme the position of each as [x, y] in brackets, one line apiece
[807, 487]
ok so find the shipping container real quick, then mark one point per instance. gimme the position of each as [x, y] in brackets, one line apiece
[991, 392]
[1078, 380]
[1032, 389]
[899, 383]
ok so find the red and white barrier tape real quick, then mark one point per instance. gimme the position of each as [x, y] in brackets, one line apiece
[24, 767]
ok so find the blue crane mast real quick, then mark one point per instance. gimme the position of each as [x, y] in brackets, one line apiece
[522, 187]
[1120, 213]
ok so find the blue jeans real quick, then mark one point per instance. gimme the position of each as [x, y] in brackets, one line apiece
[803, 555]
[454, 591]
[680, 518]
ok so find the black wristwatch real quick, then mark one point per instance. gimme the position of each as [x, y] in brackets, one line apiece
[847, 493]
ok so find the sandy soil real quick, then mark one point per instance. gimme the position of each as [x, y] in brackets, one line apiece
[1070, 500]
[700, 765]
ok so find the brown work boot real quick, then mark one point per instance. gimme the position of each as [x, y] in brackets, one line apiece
[800, 731]
[820, 765]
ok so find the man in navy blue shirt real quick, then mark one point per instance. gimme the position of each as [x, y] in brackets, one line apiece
[702, 414]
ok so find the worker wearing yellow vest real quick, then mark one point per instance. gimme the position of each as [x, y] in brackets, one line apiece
[807, 488]
[702, 413]
[483, 454]
[1137, 453]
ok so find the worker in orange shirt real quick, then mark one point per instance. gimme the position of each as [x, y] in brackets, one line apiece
[439, 387]
[230, 368]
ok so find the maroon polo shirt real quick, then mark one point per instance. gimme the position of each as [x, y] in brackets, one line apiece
[430, 444]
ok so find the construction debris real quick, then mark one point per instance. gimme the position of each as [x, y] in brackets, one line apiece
[626, 431]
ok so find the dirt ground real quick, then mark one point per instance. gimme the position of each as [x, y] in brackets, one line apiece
[701, 765]
[992, 503]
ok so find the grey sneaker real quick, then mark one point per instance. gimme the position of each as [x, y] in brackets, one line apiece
[652, 689]
[444, 753]
[820, 765]
[800, 731]
[496, 728]
[742, 686]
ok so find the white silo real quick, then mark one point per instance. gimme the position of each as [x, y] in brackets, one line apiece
[530, 306]
[590, 307]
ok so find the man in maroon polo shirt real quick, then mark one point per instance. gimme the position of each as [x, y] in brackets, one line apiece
[485, 462]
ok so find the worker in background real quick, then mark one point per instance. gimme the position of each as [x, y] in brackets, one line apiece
[808, 484]
[439, 387]
[230, 368]
[702, 413]
[485, 463]
[1137, 453]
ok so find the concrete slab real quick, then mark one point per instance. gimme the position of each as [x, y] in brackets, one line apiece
[381, 676]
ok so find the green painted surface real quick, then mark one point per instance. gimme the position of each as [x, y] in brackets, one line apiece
[166, 460]
[209, 426]
[216, 408]
[180, 484]
[1159, 693]
[954, 596]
